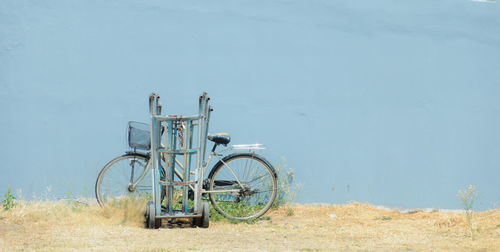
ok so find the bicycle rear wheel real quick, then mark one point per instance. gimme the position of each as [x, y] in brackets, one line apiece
[242, 186]
[116, 179]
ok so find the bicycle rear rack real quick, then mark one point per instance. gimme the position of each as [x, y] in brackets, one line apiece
[183, 138]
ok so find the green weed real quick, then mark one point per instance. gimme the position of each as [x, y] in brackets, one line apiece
[8, 202]
[235, 209]
[467, 196]
[384, 218]
[75, 204]
[287, 189]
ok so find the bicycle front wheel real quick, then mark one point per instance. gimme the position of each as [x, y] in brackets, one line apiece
[242, 186]
[118, 178]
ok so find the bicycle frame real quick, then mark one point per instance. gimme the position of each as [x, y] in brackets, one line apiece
[212, 154]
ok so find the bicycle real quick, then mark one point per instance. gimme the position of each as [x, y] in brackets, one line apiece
[241, 185]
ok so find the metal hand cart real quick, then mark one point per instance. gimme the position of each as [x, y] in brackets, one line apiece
[178, 142]
[241, 185]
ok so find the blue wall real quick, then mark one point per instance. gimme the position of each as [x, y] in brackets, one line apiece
[389, 102]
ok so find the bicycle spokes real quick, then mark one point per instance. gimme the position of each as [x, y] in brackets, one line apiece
[242, 187]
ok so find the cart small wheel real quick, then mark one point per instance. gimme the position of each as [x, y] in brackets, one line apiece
[197, 221]
[205, 215]
[151, 221]
[146, 216]
[203, 220]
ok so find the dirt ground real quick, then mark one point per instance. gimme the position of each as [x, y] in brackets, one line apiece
[63, 226]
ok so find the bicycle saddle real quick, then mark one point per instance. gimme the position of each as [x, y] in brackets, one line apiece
[219, 138]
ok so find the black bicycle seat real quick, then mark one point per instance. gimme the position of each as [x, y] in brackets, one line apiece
[219, 138]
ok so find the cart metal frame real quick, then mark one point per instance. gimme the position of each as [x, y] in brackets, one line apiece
[185, 137]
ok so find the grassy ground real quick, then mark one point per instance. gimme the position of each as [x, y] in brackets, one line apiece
[62, 226]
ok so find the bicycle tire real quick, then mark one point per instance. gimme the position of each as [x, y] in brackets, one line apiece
[251, 201]
[114, 179]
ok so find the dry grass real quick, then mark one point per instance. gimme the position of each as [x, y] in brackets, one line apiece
[62, 226]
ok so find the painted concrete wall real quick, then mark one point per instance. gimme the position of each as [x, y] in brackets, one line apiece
[389, 102]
